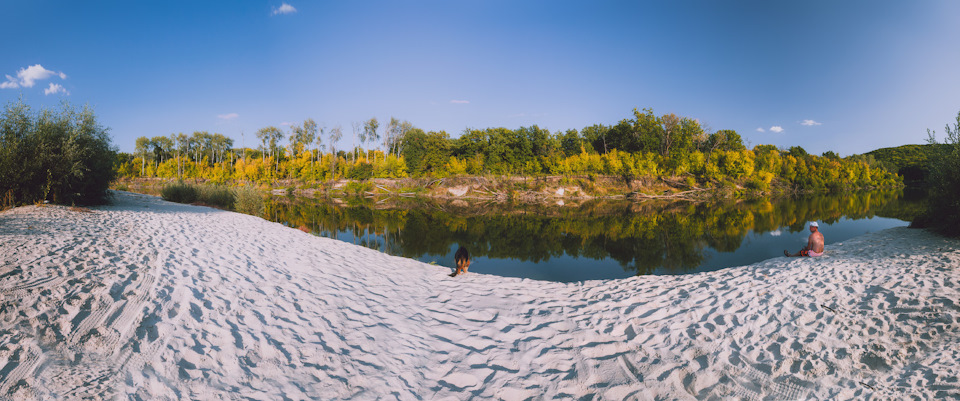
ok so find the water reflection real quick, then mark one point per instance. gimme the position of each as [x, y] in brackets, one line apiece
[586, 241]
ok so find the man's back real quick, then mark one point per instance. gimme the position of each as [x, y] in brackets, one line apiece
[815, 242]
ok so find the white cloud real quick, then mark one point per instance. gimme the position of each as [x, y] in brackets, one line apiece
[809, 123]
[460, 101]
[55, 88]
[760, 129]
[228, 116]
[776, 128]
[27, 77]
[284, 9]
[10, 84]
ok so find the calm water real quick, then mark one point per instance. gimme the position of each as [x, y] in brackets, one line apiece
[597, 240]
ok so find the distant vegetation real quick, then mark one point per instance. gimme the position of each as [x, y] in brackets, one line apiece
[207, 194]
[912, 162]
[643, 147]
[240, 199]
[62, 156]
[943, 213]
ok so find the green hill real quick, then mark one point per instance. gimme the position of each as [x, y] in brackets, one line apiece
[909, 161]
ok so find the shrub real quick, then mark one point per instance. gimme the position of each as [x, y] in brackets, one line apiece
[357, 188]
[361, 171]
[217, 195]
[248, 200]
[755, 183]
[62, 156]
[943, 214]
[180, 192]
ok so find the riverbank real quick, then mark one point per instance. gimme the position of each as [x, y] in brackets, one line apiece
[544, 190]
[156, 300]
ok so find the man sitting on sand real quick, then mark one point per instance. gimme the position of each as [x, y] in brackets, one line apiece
[814, 243]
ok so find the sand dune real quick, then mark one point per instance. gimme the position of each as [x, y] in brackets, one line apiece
[147, 299]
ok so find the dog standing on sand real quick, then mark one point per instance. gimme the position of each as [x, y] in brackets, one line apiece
[462, 258]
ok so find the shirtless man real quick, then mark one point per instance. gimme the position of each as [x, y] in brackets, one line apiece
[814, 243]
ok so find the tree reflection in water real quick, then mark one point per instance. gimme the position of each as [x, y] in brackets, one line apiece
[641, 237]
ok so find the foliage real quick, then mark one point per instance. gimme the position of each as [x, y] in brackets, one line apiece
[217, 195]
[206, 194]
[358, 188]
[63, 156]
[425, 153]
[180, 192]
[248, 200]
[646, 146]
[912, 162]
[944, 205]
[361, 171]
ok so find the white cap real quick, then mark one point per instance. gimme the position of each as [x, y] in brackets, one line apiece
[814, 224]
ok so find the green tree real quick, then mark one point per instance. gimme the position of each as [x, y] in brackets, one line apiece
[269, 138]
[221, 146]
[596, 136]
[302, 136]
[358, 134]
[725, 139]
[335, 134]
[142, 146]
[648, 131]
[426, 153]
[570, 143]
[63, 156]
[162, 148]
[943, 214]
[371, 133]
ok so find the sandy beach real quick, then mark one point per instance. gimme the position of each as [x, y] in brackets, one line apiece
[146, 299]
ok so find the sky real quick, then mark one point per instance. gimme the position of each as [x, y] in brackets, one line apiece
[848, 76]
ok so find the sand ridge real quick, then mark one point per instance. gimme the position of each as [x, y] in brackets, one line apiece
[146, 299]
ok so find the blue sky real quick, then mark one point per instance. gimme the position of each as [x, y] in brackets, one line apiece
[847, 76]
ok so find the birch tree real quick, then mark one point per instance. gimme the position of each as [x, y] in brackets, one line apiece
[357, 134]
[310, 134]
[143, 148]
[370, 132]
[335, 135]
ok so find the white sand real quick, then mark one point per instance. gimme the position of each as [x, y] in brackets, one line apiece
[152, 300]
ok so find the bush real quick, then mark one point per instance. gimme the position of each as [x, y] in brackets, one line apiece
[180, 192]
[62, 156]
[248, 200]
[217, 195]
[358, 188]
[943, 214]
[361, 171]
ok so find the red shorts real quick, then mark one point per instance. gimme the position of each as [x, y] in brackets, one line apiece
[807, 252]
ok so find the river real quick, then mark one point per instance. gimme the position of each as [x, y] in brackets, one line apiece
[596, 239]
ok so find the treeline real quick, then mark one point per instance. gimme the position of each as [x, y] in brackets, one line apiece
[62, 156]
[912, 162]
[646, 145]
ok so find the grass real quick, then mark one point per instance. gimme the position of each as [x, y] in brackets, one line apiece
[209, 195]
[248, 200]
[217, 195]
[180, 192]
